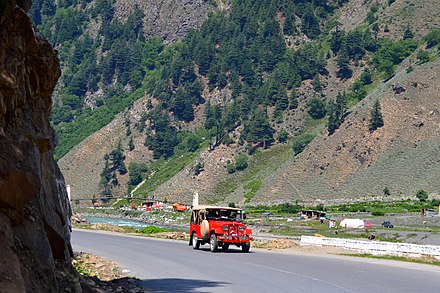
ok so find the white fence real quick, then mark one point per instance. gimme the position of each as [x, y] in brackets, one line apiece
[374, 247]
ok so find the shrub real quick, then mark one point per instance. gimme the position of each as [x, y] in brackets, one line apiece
[152, 230]
[423, 56]
[316, 108]
[241, 162]
[290, 208]
[300, 143]
[136, 173]
[198, 168]
[422, 195]
[320, 207]
[283, 136]
[378, 213]
[433, 38]
[435, 202]
[251, 149]
[193, 142]
[231, 168]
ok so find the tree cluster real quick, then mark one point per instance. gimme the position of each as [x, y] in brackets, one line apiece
[113, 163]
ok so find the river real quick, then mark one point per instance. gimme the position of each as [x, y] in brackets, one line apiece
[117, 222]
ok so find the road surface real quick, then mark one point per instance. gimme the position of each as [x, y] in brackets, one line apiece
[173, 266]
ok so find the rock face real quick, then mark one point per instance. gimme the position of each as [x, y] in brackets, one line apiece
[170, 19]
[35, 248]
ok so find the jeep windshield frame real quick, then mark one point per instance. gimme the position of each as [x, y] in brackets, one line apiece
[221, 213]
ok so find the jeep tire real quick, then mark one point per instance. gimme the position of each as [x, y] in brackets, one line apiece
[195, 241]
[245, 247]
[213, 243]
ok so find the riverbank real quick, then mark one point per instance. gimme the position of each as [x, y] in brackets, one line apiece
[407, 228]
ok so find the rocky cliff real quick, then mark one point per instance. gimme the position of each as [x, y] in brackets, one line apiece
[169, 19]
[34, 208]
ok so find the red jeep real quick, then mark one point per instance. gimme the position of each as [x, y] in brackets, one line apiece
[220, 227]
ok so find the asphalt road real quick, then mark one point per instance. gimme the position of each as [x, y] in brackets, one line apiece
[173, 266]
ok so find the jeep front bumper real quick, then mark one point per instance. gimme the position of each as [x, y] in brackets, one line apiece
[234, 239]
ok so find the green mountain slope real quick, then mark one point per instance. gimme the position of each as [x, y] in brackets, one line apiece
[244, 95]
[108, 49]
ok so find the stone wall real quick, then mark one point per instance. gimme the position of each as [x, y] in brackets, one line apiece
[35, 248]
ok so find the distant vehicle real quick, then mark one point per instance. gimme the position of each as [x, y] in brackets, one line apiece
[387, 224]
[220, 227]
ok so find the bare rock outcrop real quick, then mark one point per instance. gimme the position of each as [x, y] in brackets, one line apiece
[170, 19]
[35, 249]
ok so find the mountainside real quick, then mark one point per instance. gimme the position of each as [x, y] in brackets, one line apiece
[83, 165]
[355, 164]
[271, 103]
[108, 50]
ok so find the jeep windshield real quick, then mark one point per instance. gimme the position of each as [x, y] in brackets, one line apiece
[223, 214]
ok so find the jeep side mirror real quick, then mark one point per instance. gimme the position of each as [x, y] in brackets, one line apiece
[244, 215]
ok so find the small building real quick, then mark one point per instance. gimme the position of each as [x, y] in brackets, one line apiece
[153, 205]
[177, 207]
[312, 214]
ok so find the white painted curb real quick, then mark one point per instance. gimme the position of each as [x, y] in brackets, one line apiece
[374, 247]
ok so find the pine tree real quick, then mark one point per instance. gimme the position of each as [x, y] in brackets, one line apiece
[333, 121]
[317, 109]
[336, 111]
[117, 158]
[258, 129]
[310, 23]
[293, 100]
[142, 122]
[316, 83]
[376, 120]
[106, 172]
[343, 63]
[366, 77]
[131, 144]
[407, 34]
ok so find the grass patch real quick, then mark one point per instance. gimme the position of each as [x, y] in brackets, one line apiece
[72, 133]
[106, 227]
[120, 203]
[422, 260]
[260, 164]
[376, 208]
[253, 186]
[380, 207]
[82, 267]
[163, 170]
[152, 230]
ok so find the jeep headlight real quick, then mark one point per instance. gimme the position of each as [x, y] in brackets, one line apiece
[241, 228]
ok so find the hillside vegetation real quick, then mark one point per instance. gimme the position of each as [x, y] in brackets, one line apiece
[229, 111]
[108, 49]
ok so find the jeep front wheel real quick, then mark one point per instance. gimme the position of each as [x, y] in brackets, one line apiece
[213, 243]
[195, 241]
[245, 247]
